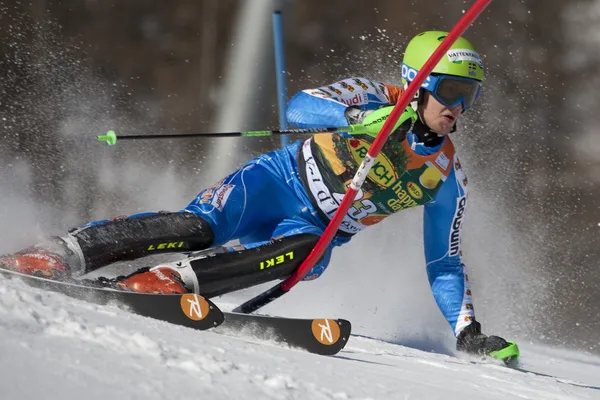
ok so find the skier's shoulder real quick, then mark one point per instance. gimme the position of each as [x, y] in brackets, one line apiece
[357, 86]
[391, 92]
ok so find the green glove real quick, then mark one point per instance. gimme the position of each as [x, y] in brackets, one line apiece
[375, 120]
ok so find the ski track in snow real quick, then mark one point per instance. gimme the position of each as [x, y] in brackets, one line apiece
[55, 347]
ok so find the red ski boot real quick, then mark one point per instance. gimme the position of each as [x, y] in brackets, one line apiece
[35, 261]
[158, 280]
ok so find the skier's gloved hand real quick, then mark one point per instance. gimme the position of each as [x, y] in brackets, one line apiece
[374, 121]
[355, 115]
[471, 340]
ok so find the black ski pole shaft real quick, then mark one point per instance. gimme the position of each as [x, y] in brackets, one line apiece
[260, 300]
[111, 137]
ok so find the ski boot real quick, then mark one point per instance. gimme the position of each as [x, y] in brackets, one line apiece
[472, 341]
[48, 260]
[158, 280]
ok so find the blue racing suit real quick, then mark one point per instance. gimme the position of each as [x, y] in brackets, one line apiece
[298, 188]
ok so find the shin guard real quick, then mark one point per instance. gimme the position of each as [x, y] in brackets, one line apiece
[214, 272]
[139, 236]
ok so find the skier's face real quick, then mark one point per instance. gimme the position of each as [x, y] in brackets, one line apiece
[439, 118]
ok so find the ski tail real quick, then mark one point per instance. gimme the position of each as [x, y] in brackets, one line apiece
[318, 336]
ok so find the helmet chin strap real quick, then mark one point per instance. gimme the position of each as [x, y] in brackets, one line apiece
[417, 99]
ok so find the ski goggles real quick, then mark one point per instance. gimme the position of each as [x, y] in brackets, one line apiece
[452, 90]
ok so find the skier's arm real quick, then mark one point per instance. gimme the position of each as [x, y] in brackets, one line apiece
[325, 106]
[442, 223]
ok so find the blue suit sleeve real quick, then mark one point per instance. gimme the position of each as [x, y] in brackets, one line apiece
[307, 111]
[442, 223]
[324, 107]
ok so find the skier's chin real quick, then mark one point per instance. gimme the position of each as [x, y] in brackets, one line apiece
[443, 126]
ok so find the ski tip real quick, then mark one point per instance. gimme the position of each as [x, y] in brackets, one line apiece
[110, 138]
[508, 353]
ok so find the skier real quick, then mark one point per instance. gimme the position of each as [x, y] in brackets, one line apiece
[279, 204]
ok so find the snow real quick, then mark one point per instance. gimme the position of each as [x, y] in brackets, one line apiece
[55, 347]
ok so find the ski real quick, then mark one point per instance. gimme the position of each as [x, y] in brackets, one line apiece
[188, 310]
[318, 336]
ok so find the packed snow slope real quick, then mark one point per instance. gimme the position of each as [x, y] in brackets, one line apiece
[55, 347]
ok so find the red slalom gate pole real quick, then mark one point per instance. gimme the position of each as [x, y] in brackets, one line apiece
[358, 180]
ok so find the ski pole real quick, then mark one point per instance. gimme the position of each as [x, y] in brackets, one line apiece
[309, 262]
[111, 137]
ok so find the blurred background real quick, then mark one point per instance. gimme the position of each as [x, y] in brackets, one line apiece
[72, 69]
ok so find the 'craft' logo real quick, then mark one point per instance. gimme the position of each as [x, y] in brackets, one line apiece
[194, 307]
[326, 331]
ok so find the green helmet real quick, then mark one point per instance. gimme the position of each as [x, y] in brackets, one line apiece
[461, 61]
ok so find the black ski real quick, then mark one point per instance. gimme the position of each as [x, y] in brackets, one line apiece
[319, 336]
[188, 310]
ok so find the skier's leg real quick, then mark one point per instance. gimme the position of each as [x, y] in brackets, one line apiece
[141, 235]
[253, 199]
[99, 243]
[225, 269]
[249, 203]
